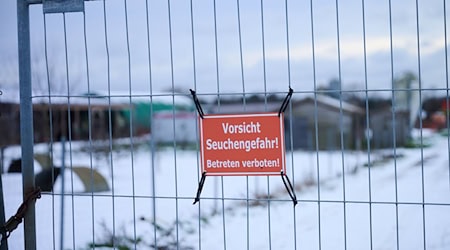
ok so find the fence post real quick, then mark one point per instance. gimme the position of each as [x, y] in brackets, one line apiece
[26, 119]
[3, 241]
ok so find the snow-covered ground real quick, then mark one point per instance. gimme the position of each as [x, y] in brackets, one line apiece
[402, 203]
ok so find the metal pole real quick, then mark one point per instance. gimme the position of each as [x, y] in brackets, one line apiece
[3, 241]
[2, 159]
[26, 119]
[62, 174]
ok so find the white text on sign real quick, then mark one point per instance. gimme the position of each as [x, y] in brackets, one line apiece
[246, 145]
[255, 163]
[242, 128]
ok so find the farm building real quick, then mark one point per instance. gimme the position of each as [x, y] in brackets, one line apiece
[80, 119]
[302, 124]
[173, 119]
[91, 116]
[382, 125]
[333, 116]
[9, 124]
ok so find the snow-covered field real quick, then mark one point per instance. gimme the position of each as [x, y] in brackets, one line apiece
[366, 208]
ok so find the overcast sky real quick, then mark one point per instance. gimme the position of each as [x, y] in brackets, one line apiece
[205, 54]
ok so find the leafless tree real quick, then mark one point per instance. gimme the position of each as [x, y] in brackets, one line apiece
[50, 75]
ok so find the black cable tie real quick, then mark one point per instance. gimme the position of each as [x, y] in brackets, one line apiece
[197, 103]
[289, 187]
[4, 234]
[200, 187]
[285, 101]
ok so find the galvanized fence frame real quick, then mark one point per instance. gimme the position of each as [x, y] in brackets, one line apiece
[27, 127]
[26, 118]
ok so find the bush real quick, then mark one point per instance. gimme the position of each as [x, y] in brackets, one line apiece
[166, 237]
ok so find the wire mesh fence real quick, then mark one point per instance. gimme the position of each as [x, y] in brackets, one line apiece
[111, 135]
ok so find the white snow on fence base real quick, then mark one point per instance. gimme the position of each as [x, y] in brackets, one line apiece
[317, 221]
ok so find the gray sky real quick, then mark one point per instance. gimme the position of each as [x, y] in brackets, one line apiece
[266, 65]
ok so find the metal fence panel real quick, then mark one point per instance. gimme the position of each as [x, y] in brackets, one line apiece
[109, 130]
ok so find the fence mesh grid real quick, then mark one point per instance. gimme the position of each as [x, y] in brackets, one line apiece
[117, 146]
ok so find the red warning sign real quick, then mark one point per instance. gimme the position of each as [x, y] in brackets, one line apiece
[242, 144]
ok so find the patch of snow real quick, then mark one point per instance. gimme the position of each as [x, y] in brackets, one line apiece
[353, 207]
